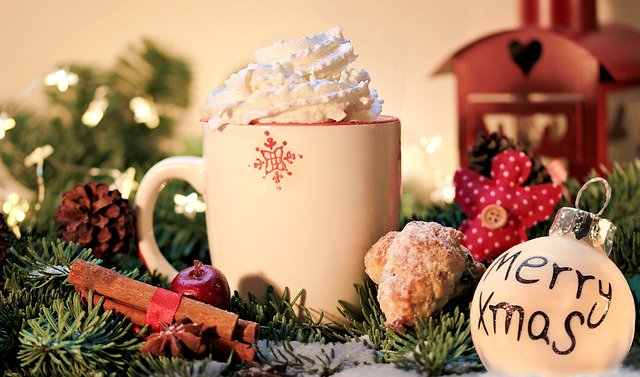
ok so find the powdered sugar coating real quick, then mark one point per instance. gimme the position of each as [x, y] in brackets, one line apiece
[376, 257]
[423, 264]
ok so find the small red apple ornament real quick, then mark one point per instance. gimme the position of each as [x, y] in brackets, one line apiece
[204, 283]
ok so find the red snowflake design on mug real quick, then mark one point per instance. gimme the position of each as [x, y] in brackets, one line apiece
[274, 160]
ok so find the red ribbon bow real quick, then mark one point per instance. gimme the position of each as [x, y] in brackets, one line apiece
[499, 210]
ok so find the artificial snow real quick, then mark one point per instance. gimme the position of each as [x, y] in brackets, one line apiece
[355, 358]
[318, 358]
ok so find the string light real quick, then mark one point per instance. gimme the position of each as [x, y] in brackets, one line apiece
[37, 158]
[188, 205]
[422, 173]
[62, 78]
[15, 208]
[38, 155]
[145, 111]
[6, 123]
[96, 108]
[445, 191]
[125, 182]
[431, 144]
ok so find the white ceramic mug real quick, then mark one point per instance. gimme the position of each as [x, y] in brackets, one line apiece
[288, 205]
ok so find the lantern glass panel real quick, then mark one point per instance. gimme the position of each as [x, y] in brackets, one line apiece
[528, 130]
[623, 114]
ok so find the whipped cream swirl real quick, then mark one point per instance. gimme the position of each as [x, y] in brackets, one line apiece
[299, 81]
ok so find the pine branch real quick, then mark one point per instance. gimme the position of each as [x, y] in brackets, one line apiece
[71, 339]
[48, 263]
[431, 345]
[35, 281]
[177, 367]
[10, 318]
[280, 317]
[296, 358]
[143, 71]
[447, 214]
[626, 246]
[623, 211]
[368, 320]
[181, 239]
[166, 77]
[284, 355]
[428, 347]
[17, 306]
[625, 186]
[33, 278]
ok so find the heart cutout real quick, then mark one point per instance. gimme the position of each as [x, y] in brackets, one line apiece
[525, 56]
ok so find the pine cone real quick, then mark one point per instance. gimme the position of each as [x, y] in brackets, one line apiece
[179, 339]
[539, 173]
[95, 217]
[486, 147]
[5, 236]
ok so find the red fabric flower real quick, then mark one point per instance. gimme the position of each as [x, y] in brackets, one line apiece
[499, 210]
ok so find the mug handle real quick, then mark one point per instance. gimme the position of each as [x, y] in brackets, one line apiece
[186, 168]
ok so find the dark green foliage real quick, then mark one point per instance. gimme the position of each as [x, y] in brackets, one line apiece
[447, 214]
[626, 246]
[11, 320]
[73, 339]
[43, 263]
[623, 210]
[45, 329]
[429, 347]
[117, 142]
[432, 344]
[19, 306]
[33, 278]
[368, 320]
[285, 359]
[281, 318]
[625, 193]
[177, 367]
[181, 239]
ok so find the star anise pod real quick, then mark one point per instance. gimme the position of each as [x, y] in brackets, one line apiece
[176, 340]
[96, 217]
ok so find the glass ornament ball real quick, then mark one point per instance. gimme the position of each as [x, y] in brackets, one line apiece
[555, 305]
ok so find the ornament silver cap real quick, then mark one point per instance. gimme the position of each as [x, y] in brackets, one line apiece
[586, 226]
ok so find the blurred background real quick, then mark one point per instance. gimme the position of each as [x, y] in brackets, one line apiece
[401, 44]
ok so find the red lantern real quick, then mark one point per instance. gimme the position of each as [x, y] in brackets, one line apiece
[561, 85]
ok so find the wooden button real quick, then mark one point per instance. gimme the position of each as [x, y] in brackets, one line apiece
[493, 216]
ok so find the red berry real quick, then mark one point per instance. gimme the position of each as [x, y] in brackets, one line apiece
[204, 283]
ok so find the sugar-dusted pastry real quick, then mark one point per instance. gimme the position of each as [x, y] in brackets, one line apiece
[421, 266]
[376, 257]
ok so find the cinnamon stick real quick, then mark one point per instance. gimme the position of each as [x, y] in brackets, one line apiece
[246, 330]
[137, 317]
[137, 295]
[243, 350]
